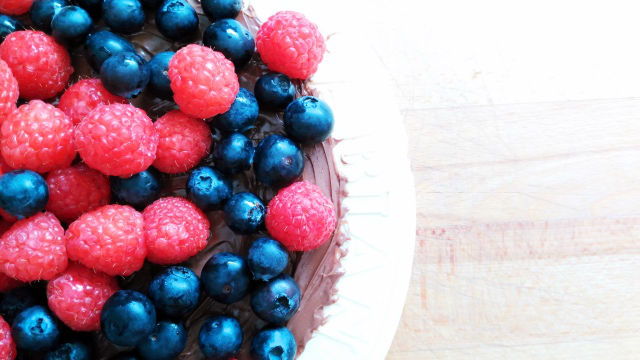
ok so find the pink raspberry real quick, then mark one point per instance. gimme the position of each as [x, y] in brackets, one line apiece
[33, 249]
[38, 137]
[117, 139]
[301, 217]
[8, 91]
[76, 296]
[203, 81]
[15, 7]
[41, 65]
[183, 142]
[174, 230]
[76, 190]
[8, 283]
[82, 97]
[290, 44]
[8, 349]
[109, 239]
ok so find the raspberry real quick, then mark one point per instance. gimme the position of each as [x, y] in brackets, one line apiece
[8, 283]
[83, 96]
[117, 140]
[8, 91]
[76, 296]
[290, 44]
[15, 7]
[33, 249]
[38, 137]
[109, 239]
[8, 349]
[174, 230]
[41, 65]
[76, 190]
[183, 142]
[301, 217]
[203, 81]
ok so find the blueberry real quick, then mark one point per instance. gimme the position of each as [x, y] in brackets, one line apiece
[232, 39]
[244, 213]
[23, 193]
[208, 188]
[127, 317]
[70, 351]
[123, 16]
[220, 337]
[234, 154]
[35, 329]
[273, 343]
[71, 25]
[308, 120]
[176, 19]
[9, 25]
[167, 341]
[159, 81]
[267, 258]
[15, 301]
[278, 161]
[94, 7]
[221, 9]
[274, 91]
[277, 300]
[175, 291]
[225, 277]
[103, 44]
[125, 74]
[138, 190]
[42, 12]
[241, 116]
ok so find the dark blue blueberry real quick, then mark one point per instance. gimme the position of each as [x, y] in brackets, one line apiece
[123, 16]
[101, 45]
[273, 343]
[159, 82]
[15, 301]
[176, 19]
[308, 120]
[94, 7]
[244, 213]
[71, 25]
[226, 277]
[167, 341]
[274, 91]
[175, 291]
[125, 74]
[35, 329]
[267, 258]
[234, 154]
[23, 193]
[127, 317]
[138, 190]
[9, 25]
[276, 301]
[221, 9]
[220, 337]
[42, 12]
[208, 188]
[278, 161]
[241, 116]
[70, 351]
[232, 39]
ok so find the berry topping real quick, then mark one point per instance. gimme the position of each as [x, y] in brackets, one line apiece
[123, 16]
[159, 81]
[103, 44]
[244, 213]
[125, 74]
[232, 39]
[23, 193]
[241, 116]
[308, 120]
[166, 341]
[8, 25]
[138, 190]
[175, 291]
[15, 7]
[208, 188]
[278, 161]
[226, 277]
[277, 300]
[267, 258]
[234, 154]
[35, 329]
[8, 349]
[274, 91]
[176, 19]
[272, 341]
[220, 337]
[8, 283]
[127, 318]
[71, 25]
[9, 91]
[70, 351]
[221, 9]
[82, 97]
[42, 12]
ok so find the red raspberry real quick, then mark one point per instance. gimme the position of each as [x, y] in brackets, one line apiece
[109, 239]
[8, 91]
[33, 248]
[301, 217]
[37, 137]
[117, 139]
[15, 7]
[76, 296]
[290, 44]
[76, 190]
[183, 142]
[174, 230]
[83, 96]
[41, 65]
[8, 349]
[203, 81]
[8, 283]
